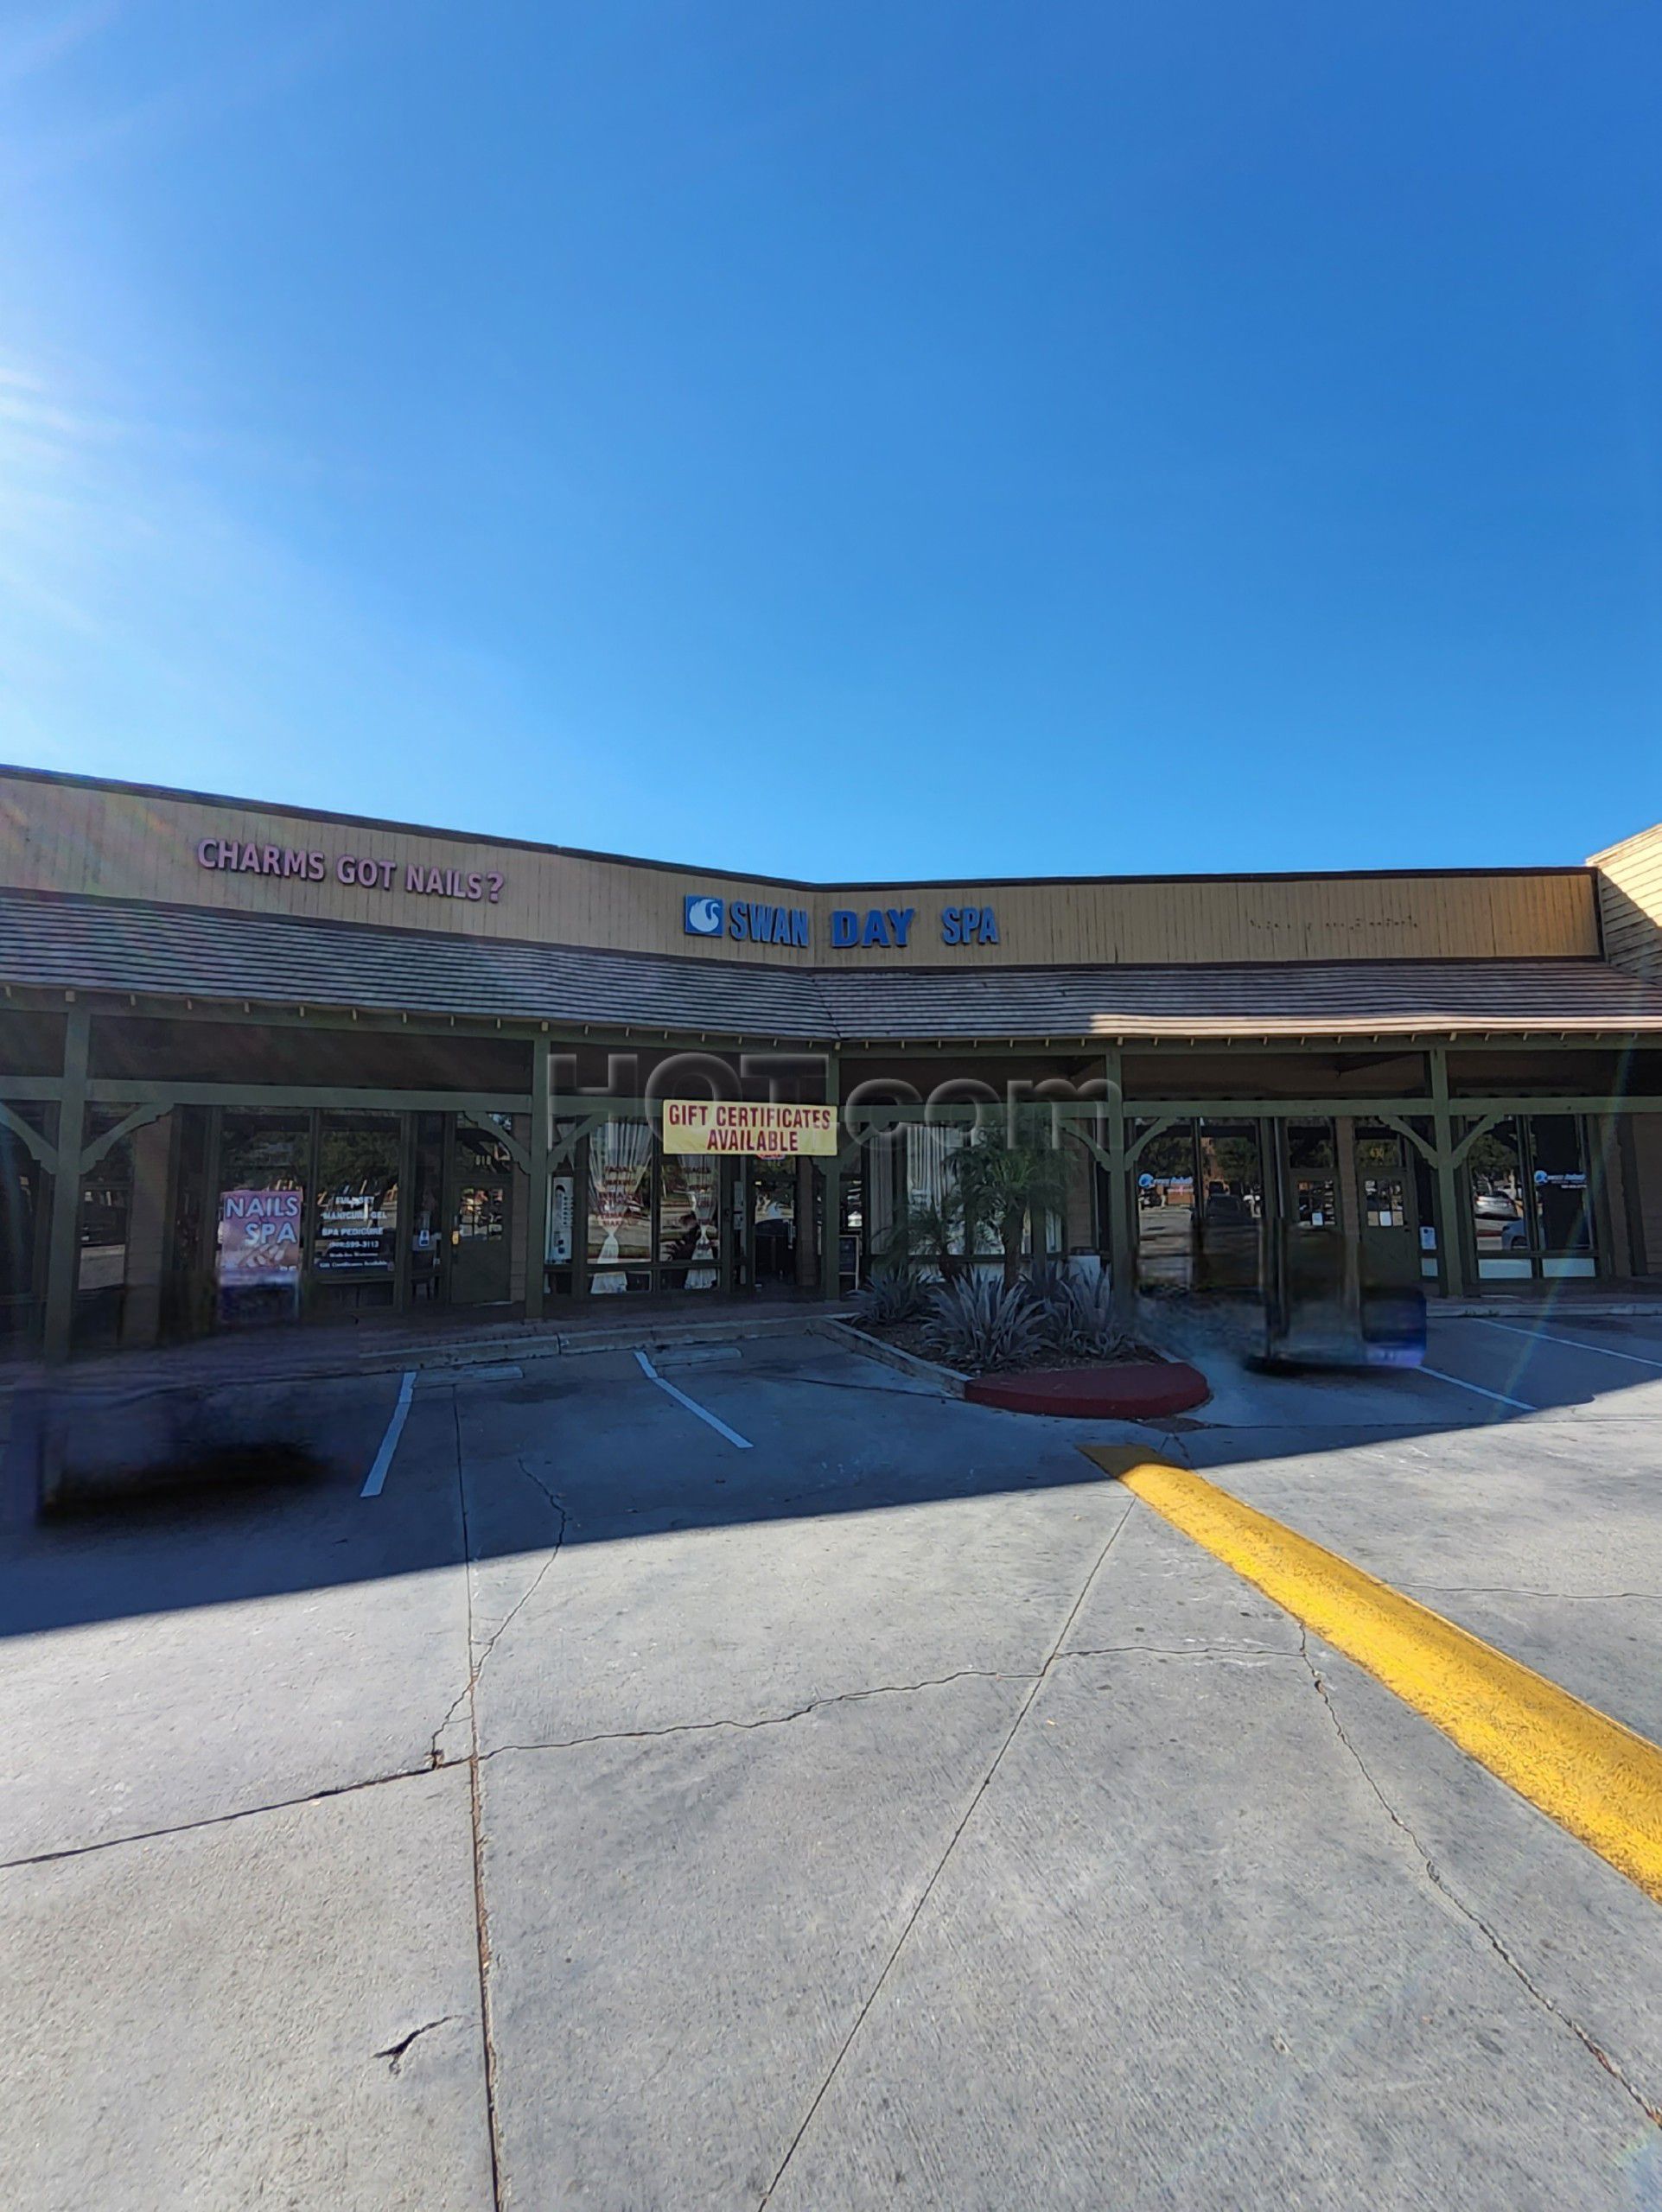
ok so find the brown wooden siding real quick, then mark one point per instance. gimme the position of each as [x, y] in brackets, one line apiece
[1647, 1162]
[116, 842]
[1630, 902]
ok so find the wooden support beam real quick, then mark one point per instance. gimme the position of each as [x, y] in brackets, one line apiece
[30, 1138]
[537, 1227]
[1451, 1240]
[139, 1118]
[1121, 1261]
[300, 1097]
[510, 1143]
[63, 1253]
[831, 1266]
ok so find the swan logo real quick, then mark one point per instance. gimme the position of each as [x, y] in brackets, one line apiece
[702, 916]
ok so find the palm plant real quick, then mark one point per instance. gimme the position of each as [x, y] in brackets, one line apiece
[932, 1232]
[1010, 1174]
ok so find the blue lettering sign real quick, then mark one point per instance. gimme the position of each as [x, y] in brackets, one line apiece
[968, 925]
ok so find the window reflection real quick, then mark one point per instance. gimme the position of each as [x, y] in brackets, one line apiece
[1527, 1177]
[689, 1245]
[260, 1213]
[620, 1248]
[1165, 1209]
[355, 1232]
[1231, 1207]
[22, 1246]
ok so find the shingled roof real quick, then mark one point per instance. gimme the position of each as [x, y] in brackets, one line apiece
[115, 946]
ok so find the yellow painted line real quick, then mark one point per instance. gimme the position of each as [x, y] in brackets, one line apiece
[1583, 1770]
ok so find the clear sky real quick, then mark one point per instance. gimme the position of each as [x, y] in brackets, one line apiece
[846, 437]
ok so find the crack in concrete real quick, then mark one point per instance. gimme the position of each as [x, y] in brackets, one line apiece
[1037, 1683]
[768, 1720]
[481, 1917]
[1515, 1590]
[394, 2052]
[1469, 1913]
[215, 1819]
[1181, 1651]
[436, 1758]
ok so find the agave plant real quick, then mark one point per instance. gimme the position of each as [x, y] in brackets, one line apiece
[1078, 1312]
[980, 1324]
[894, 1293]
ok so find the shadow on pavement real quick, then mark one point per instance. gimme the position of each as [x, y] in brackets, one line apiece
[619, 1461]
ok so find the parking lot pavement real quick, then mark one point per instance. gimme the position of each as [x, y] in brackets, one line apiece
[181, 1660]
[858, 1801]
[277, 2010]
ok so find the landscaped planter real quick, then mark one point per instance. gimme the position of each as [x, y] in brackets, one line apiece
[1126, 1391]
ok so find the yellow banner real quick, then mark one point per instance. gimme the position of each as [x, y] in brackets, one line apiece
[761, 1132]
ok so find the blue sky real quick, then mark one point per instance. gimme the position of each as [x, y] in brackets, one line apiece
[846, 439]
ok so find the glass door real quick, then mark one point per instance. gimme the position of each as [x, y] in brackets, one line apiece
[1165, 1217]
[1230, 1207]
[479, 1264]
[1388, 1199]
[1531, 1210]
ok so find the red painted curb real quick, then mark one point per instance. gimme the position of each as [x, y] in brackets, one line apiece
[1132, 1391]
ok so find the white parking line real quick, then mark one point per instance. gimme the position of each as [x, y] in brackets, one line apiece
[1546, 1336]
[692, 1404]
[1460, 1384]
[390, 1442]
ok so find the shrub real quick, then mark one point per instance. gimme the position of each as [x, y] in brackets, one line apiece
[1078, 1315]
[983, 1325]
[931, 1233]
[1009, 1175]
[893, 1295]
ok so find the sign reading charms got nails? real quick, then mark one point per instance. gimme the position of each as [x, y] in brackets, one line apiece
[230, 857]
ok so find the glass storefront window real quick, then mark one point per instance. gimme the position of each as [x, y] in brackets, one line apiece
[689, 1237]
[1494, 1168]
[1312, 1176]
[22, 1244]
[259, 1214]
[105, 1213]
[355, 1239]
[619, 1240]
[479, 1264]
[1558, 1184]
[1164, 1184]
[1382, 1177]
[1231, 1207]
[1529, 1197]
[1311, 1149]
[1384, 1202]
[425, 1209]
[355, 1230]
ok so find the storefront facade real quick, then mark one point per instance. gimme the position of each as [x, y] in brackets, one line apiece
[259, 1066]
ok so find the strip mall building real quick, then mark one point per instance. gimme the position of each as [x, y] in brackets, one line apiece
[259, 1064]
